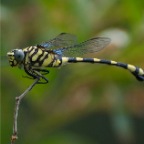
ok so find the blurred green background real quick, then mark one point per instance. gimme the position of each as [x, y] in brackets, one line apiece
[82, 103]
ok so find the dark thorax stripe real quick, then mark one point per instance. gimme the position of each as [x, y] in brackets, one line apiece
[45, 57]
[33, 53]
[38, 56]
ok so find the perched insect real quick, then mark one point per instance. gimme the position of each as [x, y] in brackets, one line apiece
[59, 51]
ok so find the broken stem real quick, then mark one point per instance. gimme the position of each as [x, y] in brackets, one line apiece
[17, 104]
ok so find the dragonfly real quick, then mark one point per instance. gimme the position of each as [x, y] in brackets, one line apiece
[62, 50]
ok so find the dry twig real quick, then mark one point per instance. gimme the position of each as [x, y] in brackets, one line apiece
[17, 104]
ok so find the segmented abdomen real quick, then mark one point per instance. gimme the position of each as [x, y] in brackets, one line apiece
[136, 71]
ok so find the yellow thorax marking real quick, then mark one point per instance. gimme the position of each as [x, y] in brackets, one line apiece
[34, 58]
[48, 60]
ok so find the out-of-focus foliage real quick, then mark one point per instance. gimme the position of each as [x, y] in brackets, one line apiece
[82, 103]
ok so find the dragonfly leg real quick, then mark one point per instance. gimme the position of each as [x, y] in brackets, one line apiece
[38, 75]
[44, 71]
[43, 82]
[35, 74]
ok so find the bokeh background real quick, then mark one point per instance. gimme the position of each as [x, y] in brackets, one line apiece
[82, 103]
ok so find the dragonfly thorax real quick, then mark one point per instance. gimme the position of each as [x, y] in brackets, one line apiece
[15, 57]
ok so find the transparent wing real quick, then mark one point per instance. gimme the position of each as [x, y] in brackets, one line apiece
[62, 40]
[89, 46]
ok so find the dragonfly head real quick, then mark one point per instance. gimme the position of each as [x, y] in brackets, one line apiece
[15, 57]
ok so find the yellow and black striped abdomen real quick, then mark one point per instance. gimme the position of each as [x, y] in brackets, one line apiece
[38, 57]
[136, 71]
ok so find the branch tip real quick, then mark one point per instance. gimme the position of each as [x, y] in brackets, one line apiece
[14, 138]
